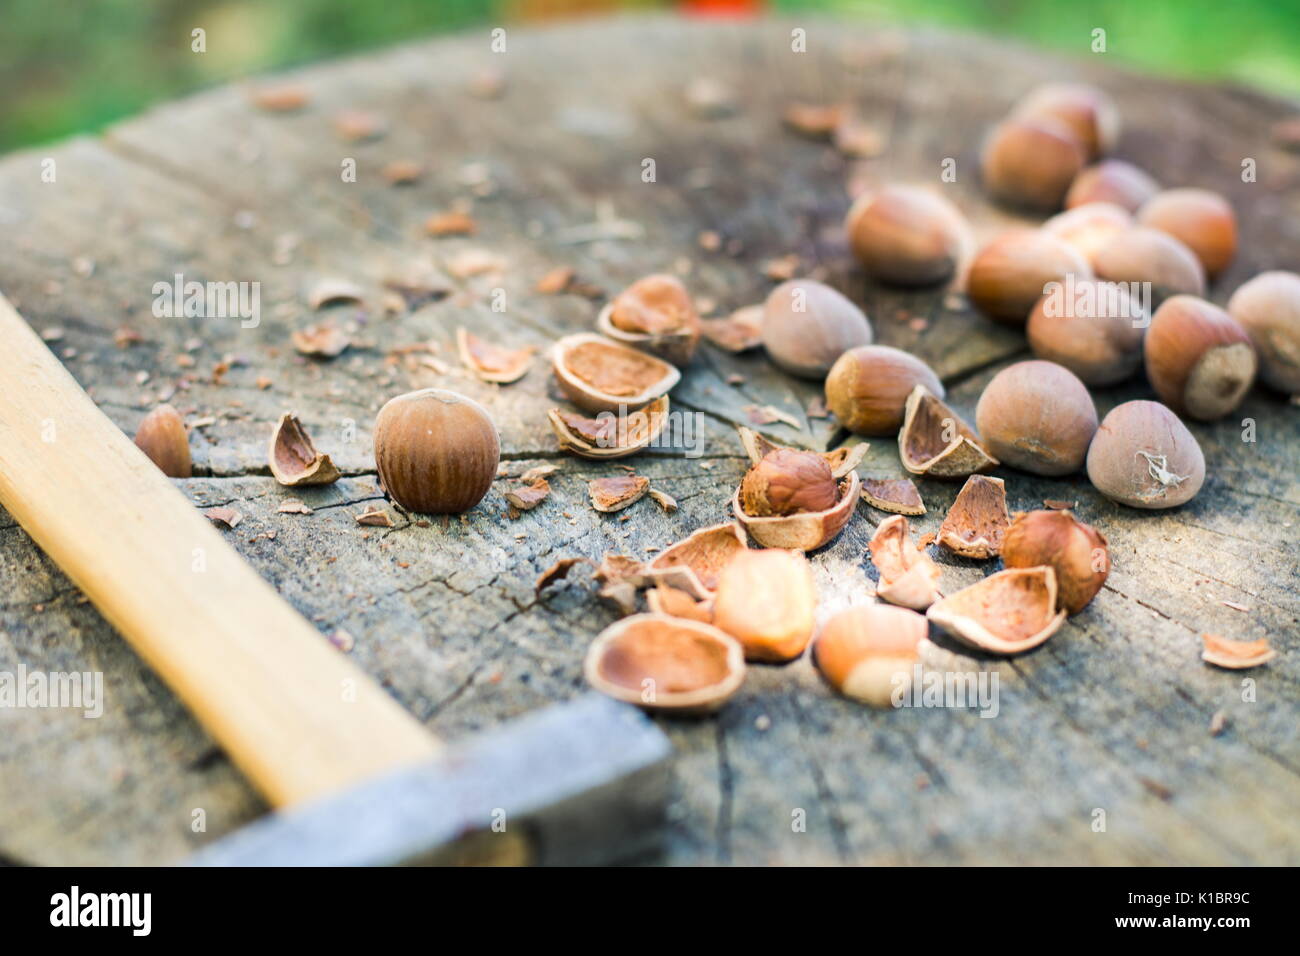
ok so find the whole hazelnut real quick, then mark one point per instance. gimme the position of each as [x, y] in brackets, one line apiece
[1145, 255]
[787, 481]
[1144, 456]
[1093, 328]
[162, 437]
[766, 599]
[1202, 220]
[1114, 181]
[1031, 162]
[436, 451]
[867, 388]
[1011, 273]
[807, 325]
[1268, 308]
[1090, 227]
[1199, 361]
[870, 651]
[1038, 417]
[1076, 551]
[906, 235]
[1089, 113]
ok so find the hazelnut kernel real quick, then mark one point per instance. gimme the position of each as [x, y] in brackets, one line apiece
[1037, 416]
[1076, 552]
[787, 481]
[436, 451]
[869, 651]
[1144, 457]
[1199, 361]
[807, 325]
[1268, 308]
[1202, 219]
[1031, 161]
[906, 235]
[868, 386]
[1011, 273]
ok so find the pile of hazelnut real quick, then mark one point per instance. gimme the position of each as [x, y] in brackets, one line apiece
[715, 602]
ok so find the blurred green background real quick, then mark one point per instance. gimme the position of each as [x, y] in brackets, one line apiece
[69, 66]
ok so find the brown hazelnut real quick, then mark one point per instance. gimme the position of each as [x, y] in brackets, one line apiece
[163, 439]
[1011, 273]
[1076, 552]
[870, 651]
[294, 459]
[1037, 416]
[657, 314]
[787, 481]
[807, 325]
[1268, 308]
[906, 235]
[1202, 220]
[1150, 256]
[436, 451]
[600, 375]
[1006, 613]
[1089, 113]
[665, 663]
[1031, 162]
[1092, 328]
[1200, 362]
[1144, 457]
[1115, 181]
[1088, 228]
[868, 386]
[766, 600]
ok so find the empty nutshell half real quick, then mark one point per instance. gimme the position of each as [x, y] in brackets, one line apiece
[978, 520]
[293, 457]
[935, 441]
[895, 495]
[609, 437]
[600, 375]
[662, 599]
[869, 652]
[656, 314]
[694, 564]
[1235, 655]
[907, 575]
[493, 363]
[766, 599]
[1008, 613]
[665, 663]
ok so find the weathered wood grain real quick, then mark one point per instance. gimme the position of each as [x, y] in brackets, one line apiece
[1111, 714]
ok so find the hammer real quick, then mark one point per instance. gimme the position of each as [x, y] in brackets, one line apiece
[354, 779]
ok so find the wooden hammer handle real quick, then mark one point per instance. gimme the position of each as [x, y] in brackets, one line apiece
[295, 715]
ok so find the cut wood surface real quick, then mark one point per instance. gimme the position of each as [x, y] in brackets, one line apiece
[1109, 720]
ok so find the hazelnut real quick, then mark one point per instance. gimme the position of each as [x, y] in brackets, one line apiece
[1010, 274]
[1268, 308]
[293, 458]
[766, 600]
[436, 451]
[787, 481]
[1201, 219]
[1030, 162]
[906, 235]
[1006, 613]
[1088, 112]
[1150, 256]
[1037, 416]
[808, 325]
[600, 375]
[870, 651]
[1144, 457]
[1076, 552]
[657, 314]
[1088, 228]
[1200, 362]
[868, 386]
[163, 439]
[665, 663]
[1115, 181]
[1093, 328]
[609, 437]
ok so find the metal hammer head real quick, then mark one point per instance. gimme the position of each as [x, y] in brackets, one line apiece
[578, 783]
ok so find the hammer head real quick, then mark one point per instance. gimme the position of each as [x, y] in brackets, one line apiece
[578, 783]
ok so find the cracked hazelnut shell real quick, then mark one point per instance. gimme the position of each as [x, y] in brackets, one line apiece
[1142, 254]
[978, 520]
[1031, 161]
[1096, 333]
[907, 575]
[1009, 274]
[1115, 181]
[1200, 362]
[436, 451]
[293, 458]
[868, 386]
[869, 651]
[1088, 112]
[1235, 655]
[1010, 612]
[766, 599]
[492, 363]
[906, 235]
[1268, 308]
[600, 375]
[936, 442]
[1077, 552]
[165, 442]
[695, 563]
[1202, 220]
[1037, 416]
[656, 314]
[1143, 456]
[665, 663]
[607, 438]
[807, 325]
